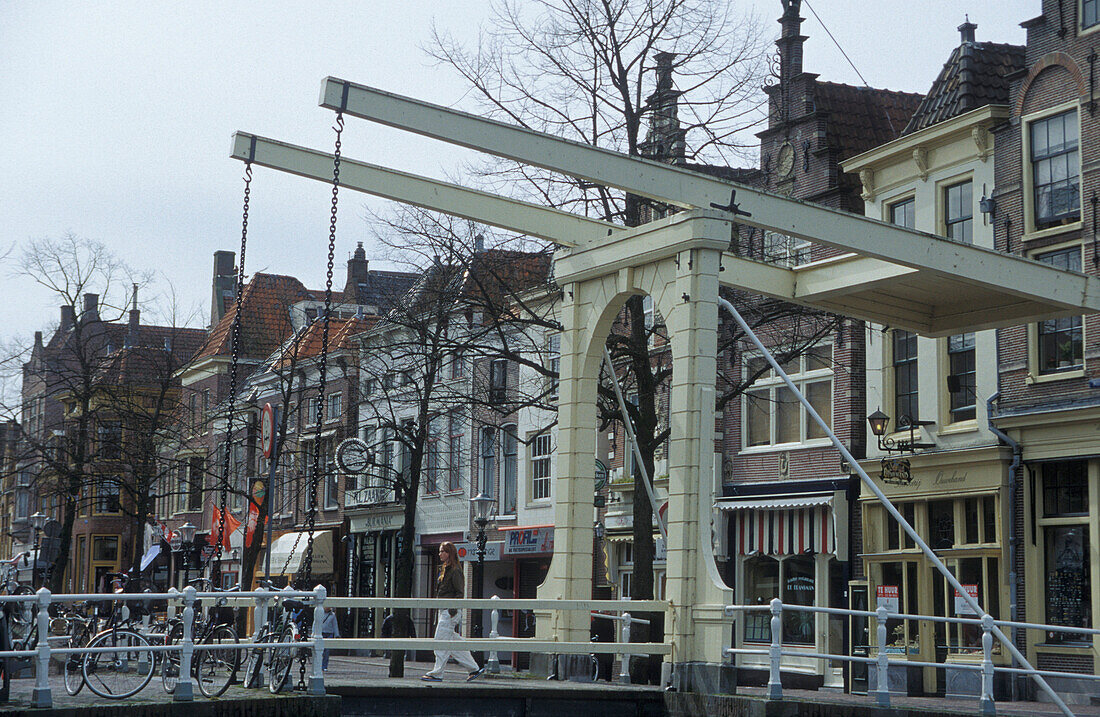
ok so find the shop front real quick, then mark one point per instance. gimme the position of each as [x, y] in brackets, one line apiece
[957, 502]
[791, 545]
[526, 552]
[374, 539]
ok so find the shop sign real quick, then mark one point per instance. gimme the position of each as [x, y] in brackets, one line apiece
[887, 597]
[961, 606]
[467, 552]
[660, 549]
[896, 471]
[529, 541]
[616, 521]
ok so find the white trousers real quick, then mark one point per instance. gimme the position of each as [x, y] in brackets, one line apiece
[445, 630]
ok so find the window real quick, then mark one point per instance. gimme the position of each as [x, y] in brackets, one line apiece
[193, 411]
[335, 404]
[785, 250]
[107, 497]
[110, 440]
[487, 453]
[1055, 170]
[905, 374]
[105, 548]
[904, 213]
[498, 380]
[510, 465]
[1090, 13]
[961, 379]
[431, 458]
[1060, 341]
[553, 351]
[540, 467]
[331, 475]
[1067, 580]
[1065, 489]
[205, 405]
[370, 385]
[774, 414]
[958, 212]
[195, 471]
[457, 364]
[454, 473]
[791, 579]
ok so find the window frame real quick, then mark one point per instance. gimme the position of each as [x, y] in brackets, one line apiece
[1032, 229]
[540, 451]
[498, 379]
[1082, 28]
[906, 201]
[509, 469]
[334, 406]
[964, 220]
[1036, 374]
[955, 414]
[910, 362]
[102, 494]
[805, 377]
[486, 460]
[1046, 523]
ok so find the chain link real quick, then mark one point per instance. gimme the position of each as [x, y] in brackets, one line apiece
[306, 571]
[233, 365]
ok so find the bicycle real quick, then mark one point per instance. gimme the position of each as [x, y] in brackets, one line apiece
[258, 657]
[213, 669]
[80, 630]
[296, 624]
[128, 667]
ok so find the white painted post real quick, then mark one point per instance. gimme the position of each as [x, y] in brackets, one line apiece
[172, 602]
[775, 652]
[882, 693]
[317, 681]
[145, 659]
[493, 663]
[185, 688]
[624, 671]
[260, 618]
[42, 696]
[987, 704]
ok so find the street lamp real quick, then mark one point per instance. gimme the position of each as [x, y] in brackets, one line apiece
[482, 505]
[187, 544]
[38, 521]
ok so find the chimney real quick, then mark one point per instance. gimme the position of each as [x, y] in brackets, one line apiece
[135, 322]
[38, 339]
[790, 41]
[68, 318]
[357, 273]
[479, 243]
[664, 139]
[224, 284]
[91, 308]
[966, 30]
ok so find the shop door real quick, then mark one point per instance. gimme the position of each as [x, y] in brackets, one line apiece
[911, 639]
[529, 575]
[859, 638]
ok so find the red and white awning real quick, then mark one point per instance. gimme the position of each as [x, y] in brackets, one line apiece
[786, 525]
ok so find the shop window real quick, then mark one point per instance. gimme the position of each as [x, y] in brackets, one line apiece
[1055, 169]
[961, 380]
[510, 469]
[941, 524]
[540, 467]
[793, 580]
[1060, 345]
[774, 415]
[1067, 581]
[761, 586]
[958, 212]
[904, 365]
[895, 534]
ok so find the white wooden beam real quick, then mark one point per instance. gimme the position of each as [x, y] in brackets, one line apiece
[562, 228]
[849, 232]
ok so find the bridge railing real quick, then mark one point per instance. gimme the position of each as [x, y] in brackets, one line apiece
[40, 602]
[775, 651]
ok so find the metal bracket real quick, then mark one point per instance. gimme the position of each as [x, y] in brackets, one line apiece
[733, 208]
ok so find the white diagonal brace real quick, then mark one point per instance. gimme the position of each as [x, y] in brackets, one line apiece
[563, 228]
[850, 232]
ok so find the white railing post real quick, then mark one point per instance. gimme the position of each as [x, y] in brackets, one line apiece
[317, 681]
[260, 619]
[882, 691]
[493, 663]
[987, 704]
[624, 670]
[775, 652]
[42, 696]
[185, 688]
[174, 593]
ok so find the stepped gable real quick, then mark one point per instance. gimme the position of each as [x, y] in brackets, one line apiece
[861, 118]
[974, 75]
[267, 299]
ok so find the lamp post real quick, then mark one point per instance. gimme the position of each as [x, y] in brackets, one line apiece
[482, 505]
[38, 521]
[187, 544]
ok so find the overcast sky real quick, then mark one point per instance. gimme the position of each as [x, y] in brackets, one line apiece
[116, 117]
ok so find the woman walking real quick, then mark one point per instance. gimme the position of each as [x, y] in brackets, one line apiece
[449, 585]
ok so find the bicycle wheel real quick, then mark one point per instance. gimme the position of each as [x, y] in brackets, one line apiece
[217, 667]
[594, 668]
[282, 659]
[254, 665]
[120, 674]
[21, 618]
[170, 660]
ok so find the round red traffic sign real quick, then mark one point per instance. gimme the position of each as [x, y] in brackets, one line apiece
[267, 430]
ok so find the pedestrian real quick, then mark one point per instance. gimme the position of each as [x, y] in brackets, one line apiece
[330, 627]
[449, 585]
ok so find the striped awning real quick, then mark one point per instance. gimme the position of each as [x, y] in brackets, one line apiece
[788, 525]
